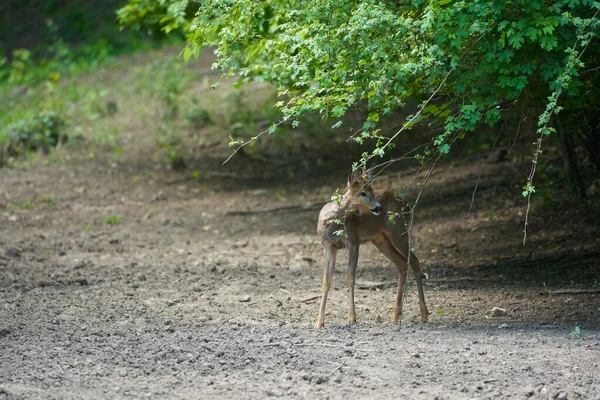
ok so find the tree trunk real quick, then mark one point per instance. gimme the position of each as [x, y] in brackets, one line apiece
[591, 136]
[570, 159]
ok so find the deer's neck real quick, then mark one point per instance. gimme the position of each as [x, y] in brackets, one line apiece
[346, 203]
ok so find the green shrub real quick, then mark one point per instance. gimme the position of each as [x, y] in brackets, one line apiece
[166, 80]
[250, 113]
[42, 132]
[198, 118]
[170, 140]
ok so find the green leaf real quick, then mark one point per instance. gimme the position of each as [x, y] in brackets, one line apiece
[492, 116]
[520, 82]
[338, 111]
[548, 42]
[373, 116]
[533, 33]
[516, 40]
[379, 152]
[187, 53]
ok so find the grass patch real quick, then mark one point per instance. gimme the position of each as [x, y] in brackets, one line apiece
[112, 220]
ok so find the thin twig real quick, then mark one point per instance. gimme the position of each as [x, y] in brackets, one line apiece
[262, 253]
[338, 367]
[576, 291]
[590, 70]
[323, 345]
[252, 139]
[485, 165]
[310, 298]
[563, 318]
[277, 209]
[518, 131]
[338, 346]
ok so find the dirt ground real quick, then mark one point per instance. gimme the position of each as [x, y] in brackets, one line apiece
[129, 280]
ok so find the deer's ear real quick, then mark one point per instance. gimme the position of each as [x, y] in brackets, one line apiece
[368, 174]
[354, 176]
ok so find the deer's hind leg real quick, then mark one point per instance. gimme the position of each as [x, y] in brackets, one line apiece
[414, 264]
[385, 246]
[400, 243]
[352, 262]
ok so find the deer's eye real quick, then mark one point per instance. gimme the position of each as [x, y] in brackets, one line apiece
[363, 194]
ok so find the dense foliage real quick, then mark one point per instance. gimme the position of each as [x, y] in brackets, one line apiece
[45, 39]
[36, 24]
[465, 63]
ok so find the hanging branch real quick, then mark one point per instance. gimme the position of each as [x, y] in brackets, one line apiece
[553, 108]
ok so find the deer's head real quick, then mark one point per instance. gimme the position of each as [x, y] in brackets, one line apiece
[360, 194]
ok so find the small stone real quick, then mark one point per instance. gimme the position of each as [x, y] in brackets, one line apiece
[302, 257]
[159, 196]
[12, 253]
[369, 285]
[321, 379]
[561, 396]
[244, 299]
[498, 312]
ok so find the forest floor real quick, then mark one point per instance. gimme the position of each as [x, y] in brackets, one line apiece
[130, 280]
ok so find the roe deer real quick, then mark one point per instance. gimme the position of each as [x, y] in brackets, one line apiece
[364, 217]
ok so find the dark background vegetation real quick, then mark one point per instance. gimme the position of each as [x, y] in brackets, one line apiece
[37, 24]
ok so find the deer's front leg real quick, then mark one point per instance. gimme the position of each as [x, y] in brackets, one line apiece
[352, 262]
[330, 254]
